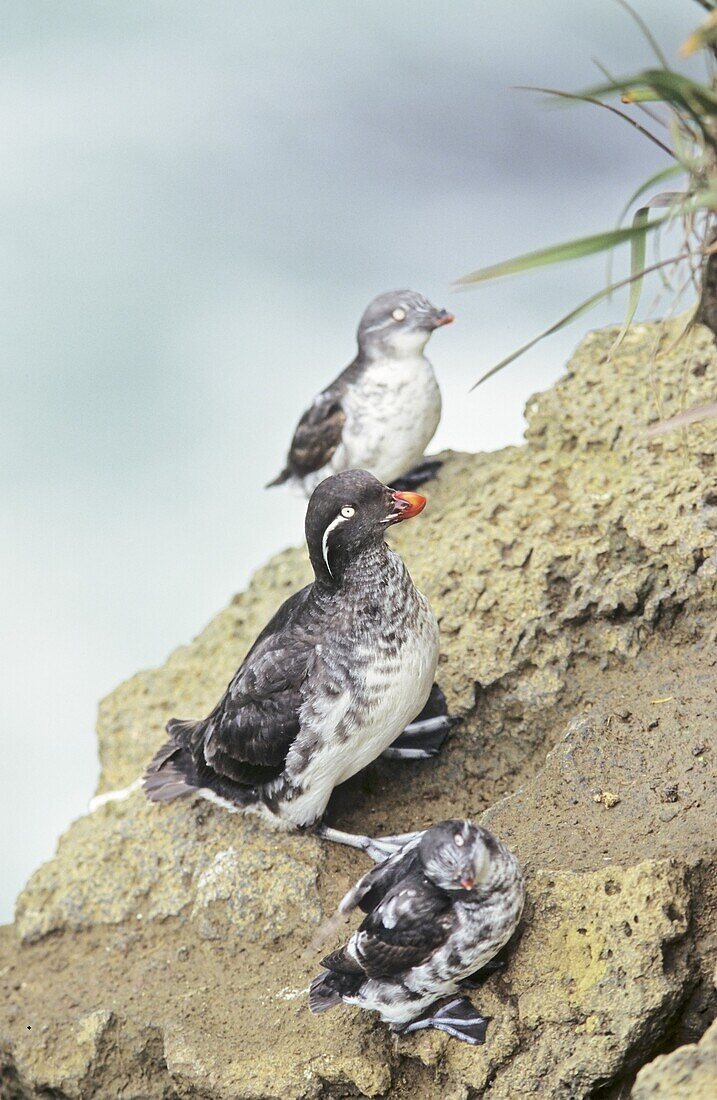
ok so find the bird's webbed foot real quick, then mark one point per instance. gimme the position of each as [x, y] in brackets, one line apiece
[377, 848]
[418, 475]
[381, 848]
[421, 739]
[424, 737]
[457, 1018]
[495, 966]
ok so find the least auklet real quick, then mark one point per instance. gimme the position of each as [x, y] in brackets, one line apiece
[438, 912]
[382, 411]
[330, 682]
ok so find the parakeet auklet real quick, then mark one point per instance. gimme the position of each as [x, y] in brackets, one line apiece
[438, 912]
[330, 682]
[382, 411]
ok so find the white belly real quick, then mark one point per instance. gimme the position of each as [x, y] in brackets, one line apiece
[400, 697]
[391, 416]
[392, 694]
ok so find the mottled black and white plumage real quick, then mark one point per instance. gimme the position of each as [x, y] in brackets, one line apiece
[382, 411]
[330, 682]
[438, 911]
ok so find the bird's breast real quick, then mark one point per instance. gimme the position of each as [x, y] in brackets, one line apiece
[373, 677]
[392, 412]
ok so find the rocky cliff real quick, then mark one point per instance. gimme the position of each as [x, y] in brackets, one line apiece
[163, 951]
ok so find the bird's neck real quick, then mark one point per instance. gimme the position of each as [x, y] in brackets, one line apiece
[367, 568]
[412, 346]
[356, 573]
[501, 876]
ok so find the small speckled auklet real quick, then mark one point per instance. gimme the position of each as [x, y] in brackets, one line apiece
[382, 411]
[330, 682]
[438, 912]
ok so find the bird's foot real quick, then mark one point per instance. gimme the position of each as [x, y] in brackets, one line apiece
[381, 848]
[421, 739]
[377, 848]
[418, 475]
[424, 736]
[495, 966]
[458, 1018]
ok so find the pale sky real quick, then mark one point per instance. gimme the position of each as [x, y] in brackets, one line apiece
[197, 200]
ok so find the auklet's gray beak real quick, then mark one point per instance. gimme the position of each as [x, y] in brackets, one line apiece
[442, 317]
[405, 506]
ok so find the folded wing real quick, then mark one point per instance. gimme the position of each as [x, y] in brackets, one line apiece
[401, 932]
[246, 738]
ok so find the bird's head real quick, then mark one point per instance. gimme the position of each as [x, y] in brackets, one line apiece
[347, 513]
[399, 323]
[456, 855]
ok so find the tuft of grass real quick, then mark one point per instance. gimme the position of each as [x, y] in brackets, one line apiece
[687, 109]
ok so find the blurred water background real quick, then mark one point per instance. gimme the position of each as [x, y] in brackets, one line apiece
[197, 199]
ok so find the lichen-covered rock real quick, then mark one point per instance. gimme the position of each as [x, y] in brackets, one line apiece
[113, 866]
[603, 991]
[166, 951]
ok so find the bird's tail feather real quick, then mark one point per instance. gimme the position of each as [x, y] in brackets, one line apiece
[177, 771]
[172, 772]
[283, 476]
[329, 989]
[170, 775]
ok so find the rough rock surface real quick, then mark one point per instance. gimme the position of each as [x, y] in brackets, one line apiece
[689, 1073]
[163, 951]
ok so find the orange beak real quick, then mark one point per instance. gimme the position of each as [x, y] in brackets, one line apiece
[406, 506]
[443, 318]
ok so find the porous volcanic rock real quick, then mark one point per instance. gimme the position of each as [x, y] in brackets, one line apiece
[166, 951]
[689, 1073]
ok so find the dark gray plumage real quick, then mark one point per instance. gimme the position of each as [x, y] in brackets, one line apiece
[330, 682]
[382, 411]
[438, 911]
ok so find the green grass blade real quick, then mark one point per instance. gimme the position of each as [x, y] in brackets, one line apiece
[646, 185]
[573, 316]
[682, 94]
[649, 36]
[641, 107]
[637, 266]
[555, 254]
[642, 95]
[651, 181]
[580, 98]
[670, 86]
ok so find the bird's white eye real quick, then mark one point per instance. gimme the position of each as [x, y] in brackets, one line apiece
[399, 314]
[459, 840]
[347, 511]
